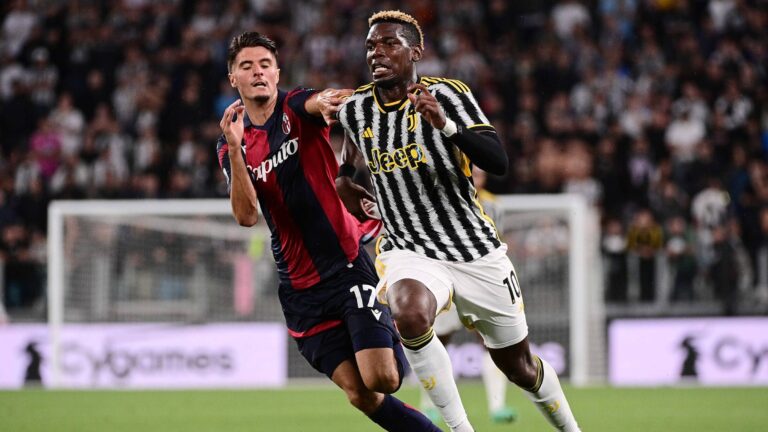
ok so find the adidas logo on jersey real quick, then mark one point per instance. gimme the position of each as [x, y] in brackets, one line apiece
[288, 148]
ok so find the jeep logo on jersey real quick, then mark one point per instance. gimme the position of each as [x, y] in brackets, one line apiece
[286, 124]
[410, 156]
[288, 148]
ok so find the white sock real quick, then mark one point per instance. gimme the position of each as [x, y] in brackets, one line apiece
[432, 366]
[425, 402]
[495, 383]
[550, 400]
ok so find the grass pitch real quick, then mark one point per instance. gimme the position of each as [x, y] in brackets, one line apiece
[325, 409]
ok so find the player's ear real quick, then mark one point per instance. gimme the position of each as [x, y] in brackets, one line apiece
[278, 76]
[232, 82]
[416, 52]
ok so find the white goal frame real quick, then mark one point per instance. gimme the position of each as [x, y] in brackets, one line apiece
[583, 234]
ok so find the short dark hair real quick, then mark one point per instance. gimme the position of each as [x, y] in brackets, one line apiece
[246, 40]
[411, 28]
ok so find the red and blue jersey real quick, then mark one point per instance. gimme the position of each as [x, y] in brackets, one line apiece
[293, 170]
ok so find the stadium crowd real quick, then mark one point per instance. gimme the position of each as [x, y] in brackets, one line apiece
[655, 110]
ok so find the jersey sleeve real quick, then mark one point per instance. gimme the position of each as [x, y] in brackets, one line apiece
[297, 99]
[222, 152]
[461, 106]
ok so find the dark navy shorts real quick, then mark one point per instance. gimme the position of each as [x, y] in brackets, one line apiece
[340, 316]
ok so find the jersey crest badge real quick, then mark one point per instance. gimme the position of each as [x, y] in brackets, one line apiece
[286, 124]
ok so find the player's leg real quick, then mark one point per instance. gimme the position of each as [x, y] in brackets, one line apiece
[539, 382]
[331, 353]
[446, 323]
[415, 288]
[383, 409]
[379, 362]
[495, 384]
[494, 305]
[414, 306]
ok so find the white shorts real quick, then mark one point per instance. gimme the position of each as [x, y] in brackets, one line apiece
[486, 291]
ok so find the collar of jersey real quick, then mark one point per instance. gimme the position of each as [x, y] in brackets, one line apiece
[391, 106]
[267, 124]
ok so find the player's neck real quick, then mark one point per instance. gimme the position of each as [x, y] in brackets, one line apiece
[260, 111]
[394, 93]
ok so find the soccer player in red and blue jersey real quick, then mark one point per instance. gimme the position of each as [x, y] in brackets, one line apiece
[276, 155]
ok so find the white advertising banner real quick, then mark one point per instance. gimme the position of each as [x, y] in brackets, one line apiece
[709, 351]
[147, 355]
[467, 358]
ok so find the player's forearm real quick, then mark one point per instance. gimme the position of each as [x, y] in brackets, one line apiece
[350, 154]
[242, 195]
[483, 149]
[312, 106]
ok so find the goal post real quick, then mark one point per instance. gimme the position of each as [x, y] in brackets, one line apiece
[188, 262]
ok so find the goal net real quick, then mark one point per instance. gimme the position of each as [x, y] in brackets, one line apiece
[188, 262]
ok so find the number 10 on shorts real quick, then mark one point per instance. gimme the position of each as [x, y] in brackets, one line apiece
[359, 296]
[513, 286]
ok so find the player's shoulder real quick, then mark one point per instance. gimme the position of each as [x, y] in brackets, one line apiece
[362, 92]
[364, 89]
[444, 84]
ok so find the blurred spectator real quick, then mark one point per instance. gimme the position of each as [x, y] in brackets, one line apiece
[69, 122]
[45, 145]
[23, 283]
[644, 241]
[680, 249]
[614, 247]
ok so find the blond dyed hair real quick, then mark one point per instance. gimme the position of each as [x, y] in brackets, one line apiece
[397, 16]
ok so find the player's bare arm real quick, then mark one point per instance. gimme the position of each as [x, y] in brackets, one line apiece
[484, 149]
[243, 194]
[358, 201]
[327, 103]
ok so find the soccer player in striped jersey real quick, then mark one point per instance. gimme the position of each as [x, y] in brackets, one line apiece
[420, 137]
[276, 154]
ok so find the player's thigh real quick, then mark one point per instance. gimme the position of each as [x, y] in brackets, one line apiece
[489, 298]
[447, 322]
[326, 350]
[398, 268]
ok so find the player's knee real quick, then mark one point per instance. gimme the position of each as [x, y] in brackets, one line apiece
[363, 399]
[412, 323]
[413, 315]
[413, 307]
[383, 382]
[523, 371]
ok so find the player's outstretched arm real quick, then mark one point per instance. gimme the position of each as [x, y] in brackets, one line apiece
[327, 103]
[483, 149]
[242, 194]
[358, 201]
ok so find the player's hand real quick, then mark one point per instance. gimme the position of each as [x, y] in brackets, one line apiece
[426, 105]
[329, 102]
[232, 124]
[356, 199]
[370, 208]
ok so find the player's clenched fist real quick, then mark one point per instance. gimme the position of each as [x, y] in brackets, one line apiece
[232, 124]
[426, 105]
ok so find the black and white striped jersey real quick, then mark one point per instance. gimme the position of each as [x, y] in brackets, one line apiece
[422, 181]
